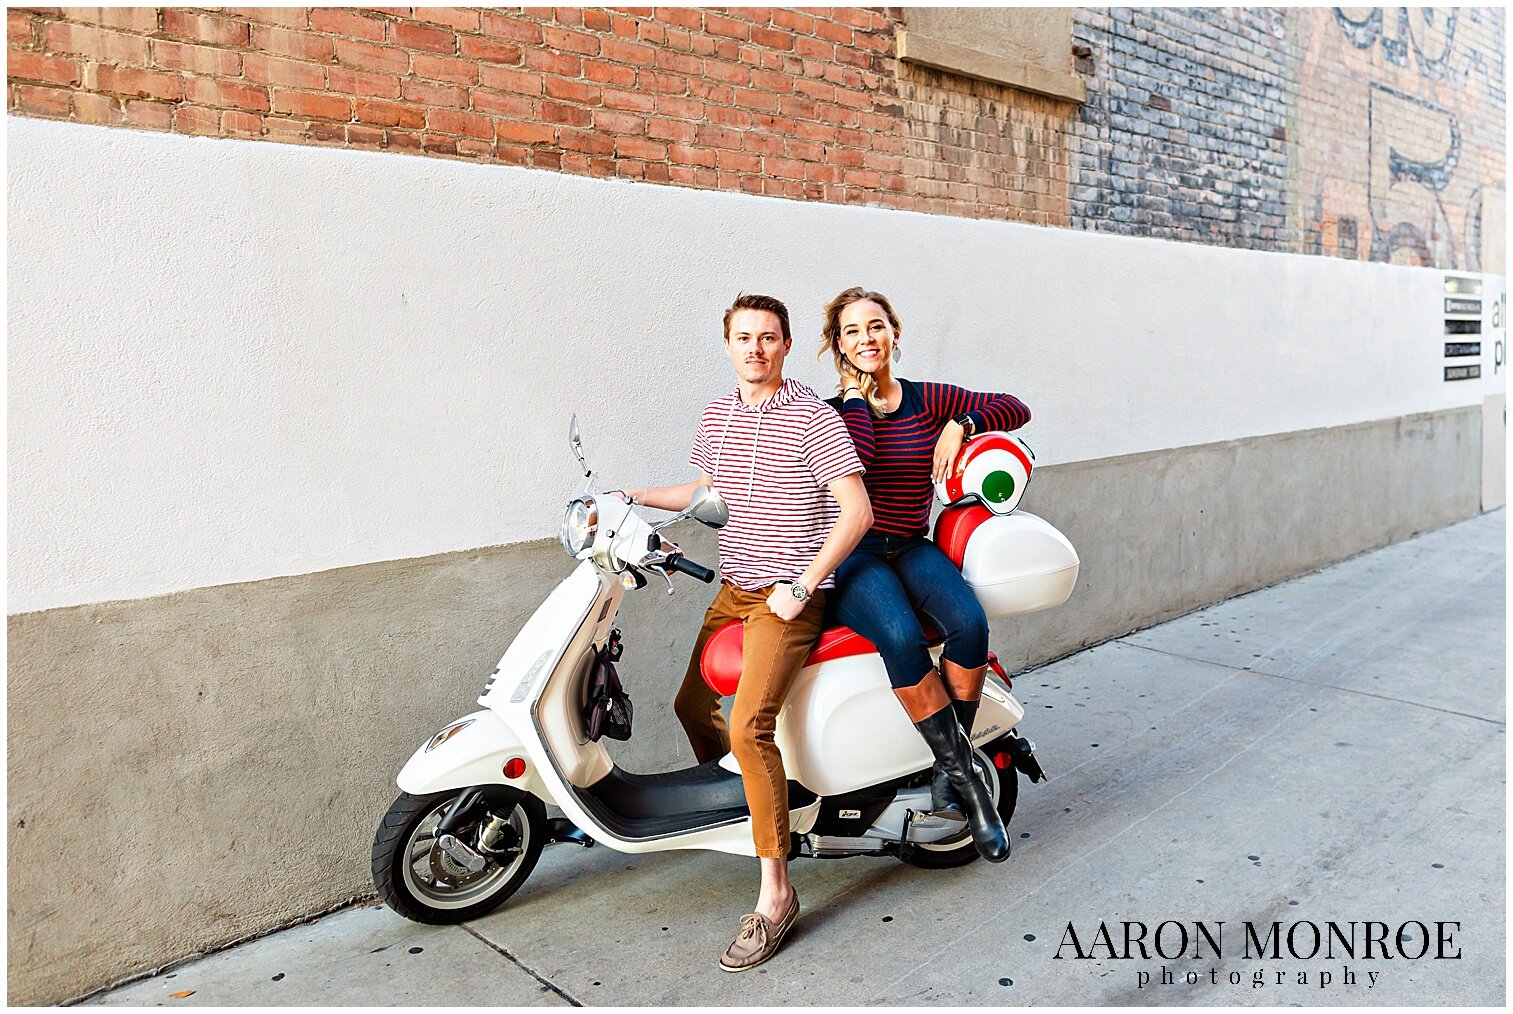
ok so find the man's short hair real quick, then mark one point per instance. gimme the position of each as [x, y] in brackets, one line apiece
[752, 301]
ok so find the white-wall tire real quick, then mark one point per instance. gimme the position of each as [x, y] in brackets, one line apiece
[406, 860]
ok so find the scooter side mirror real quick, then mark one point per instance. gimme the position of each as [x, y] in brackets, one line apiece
[708, 508]
[576, 444]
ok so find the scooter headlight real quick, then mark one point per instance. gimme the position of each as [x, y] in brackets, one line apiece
[579, 525]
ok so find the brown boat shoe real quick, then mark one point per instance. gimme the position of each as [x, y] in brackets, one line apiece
[758, 940]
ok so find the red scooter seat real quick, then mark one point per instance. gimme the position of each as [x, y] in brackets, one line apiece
[720, 664]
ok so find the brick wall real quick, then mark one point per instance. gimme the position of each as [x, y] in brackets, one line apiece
[1183, 135]
[808, 105]
[1231, 126]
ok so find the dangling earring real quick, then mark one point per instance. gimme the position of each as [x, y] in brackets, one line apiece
[895, 350]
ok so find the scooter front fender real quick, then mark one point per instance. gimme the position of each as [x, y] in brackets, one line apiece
[475, 755]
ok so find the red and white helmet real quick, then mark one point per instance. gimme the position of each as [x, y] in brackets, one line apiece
[994, 469]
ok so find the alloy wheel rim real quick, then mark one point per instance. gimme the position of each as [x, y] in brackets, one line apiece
[438, 881]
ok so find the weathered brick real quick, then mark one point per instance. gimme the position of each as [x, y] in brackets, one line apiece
[425, 93]
[454, 121]
[362, 82]
[637, 147]
[104, 110]
[147, 115]
[609, 73]
[348, 23]
[389, 114]
[285, 17]
[141, 84]
[520, 132]
[561, 64]
[585, 141]
[240, 124]
[312, 105]
[640, 102]
[299, 45]
[196, 120]
[225, 94]
[215, 31]
[628, 52]
[368, 56]
[719, 24]
[409, 35]
[444, 68]
[278, 71]
[36, 100]
[567, 90]
[557, 112]
[616, 122]
[504, 79]
[462, 19]
[131, 19]
[57, 70]
[670, 130]
[570, 41]
[510, 28]
[472, 47]
[96, 43]
[683, 108]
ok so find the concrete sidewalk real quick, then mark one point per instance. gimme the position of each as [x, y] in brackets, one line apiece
[1329, 749]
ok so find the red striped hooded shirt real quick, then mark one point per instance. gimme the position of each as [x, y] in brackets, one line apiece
[773, 463]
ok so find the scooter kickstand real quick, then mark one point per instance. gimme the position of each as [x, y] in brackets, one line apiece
[560, 830]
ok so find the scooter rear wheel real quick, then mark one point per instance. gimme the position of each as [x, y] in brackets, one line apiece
[418, 879]
[1004, 786]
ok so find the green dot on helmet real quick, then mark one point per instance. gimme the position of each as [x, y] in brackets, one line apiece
[998, 486]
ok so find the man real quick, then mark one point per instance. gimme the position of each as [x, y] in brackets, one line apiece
[784, 463]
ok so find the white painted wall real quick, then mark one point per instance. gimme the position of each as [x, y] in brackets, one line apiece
[234, 360]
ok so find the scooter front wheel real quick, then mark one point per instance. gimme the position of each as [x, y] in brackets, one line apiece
[1003, 786]
[491, 854]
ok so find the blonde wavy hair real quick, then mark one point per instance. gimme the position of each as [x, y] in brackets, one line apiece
[830, 341]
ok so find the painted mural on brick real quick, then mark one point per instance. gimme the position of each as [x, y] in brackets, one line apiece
[1399, 139]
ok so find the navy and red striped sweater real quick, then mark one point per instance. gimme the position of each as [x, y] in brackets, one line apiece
[898, 449]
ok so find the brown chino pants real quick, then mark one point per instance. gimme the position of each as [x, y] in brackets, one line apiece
[773, 652]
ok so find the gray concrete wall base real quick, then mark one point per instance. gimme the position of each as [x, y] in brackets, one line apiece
[1166, 532]
[187, 769]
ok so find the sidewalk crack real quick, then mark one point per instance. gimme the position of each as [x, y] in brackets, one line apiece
[1314, 683]
[564, 994]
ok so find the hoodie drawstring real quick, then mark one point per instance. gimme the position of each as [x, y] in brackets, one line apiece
[761, 410]
[751, 482]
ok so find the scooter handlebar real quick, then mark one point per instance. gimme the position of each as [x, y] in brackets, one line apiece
[686, 566]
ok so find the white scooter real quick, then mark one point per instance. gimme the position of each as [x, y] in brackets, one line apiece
[471, 821]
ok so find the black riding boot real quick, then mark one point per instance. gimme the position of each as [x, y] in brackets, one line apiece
[942, 797]
[953, 756]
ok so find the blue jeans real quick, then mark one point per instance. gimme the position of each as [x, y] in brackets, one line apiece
[879, 587]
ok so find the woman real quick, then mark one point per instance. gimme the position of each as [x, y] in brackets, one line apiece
[908, 435]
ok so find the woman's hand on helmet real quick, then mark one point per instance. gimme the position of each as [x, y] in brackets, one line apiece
[947, 448]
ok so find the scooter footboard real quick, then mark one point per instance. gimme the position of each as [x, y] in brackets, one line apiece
[473, 755]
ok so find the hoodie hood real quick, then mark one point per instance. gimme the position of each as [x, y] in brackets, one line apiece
[788, 391]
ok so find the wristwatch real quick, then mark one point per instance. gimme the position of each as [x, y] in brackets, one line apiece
[798, 591]
[964, 420]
